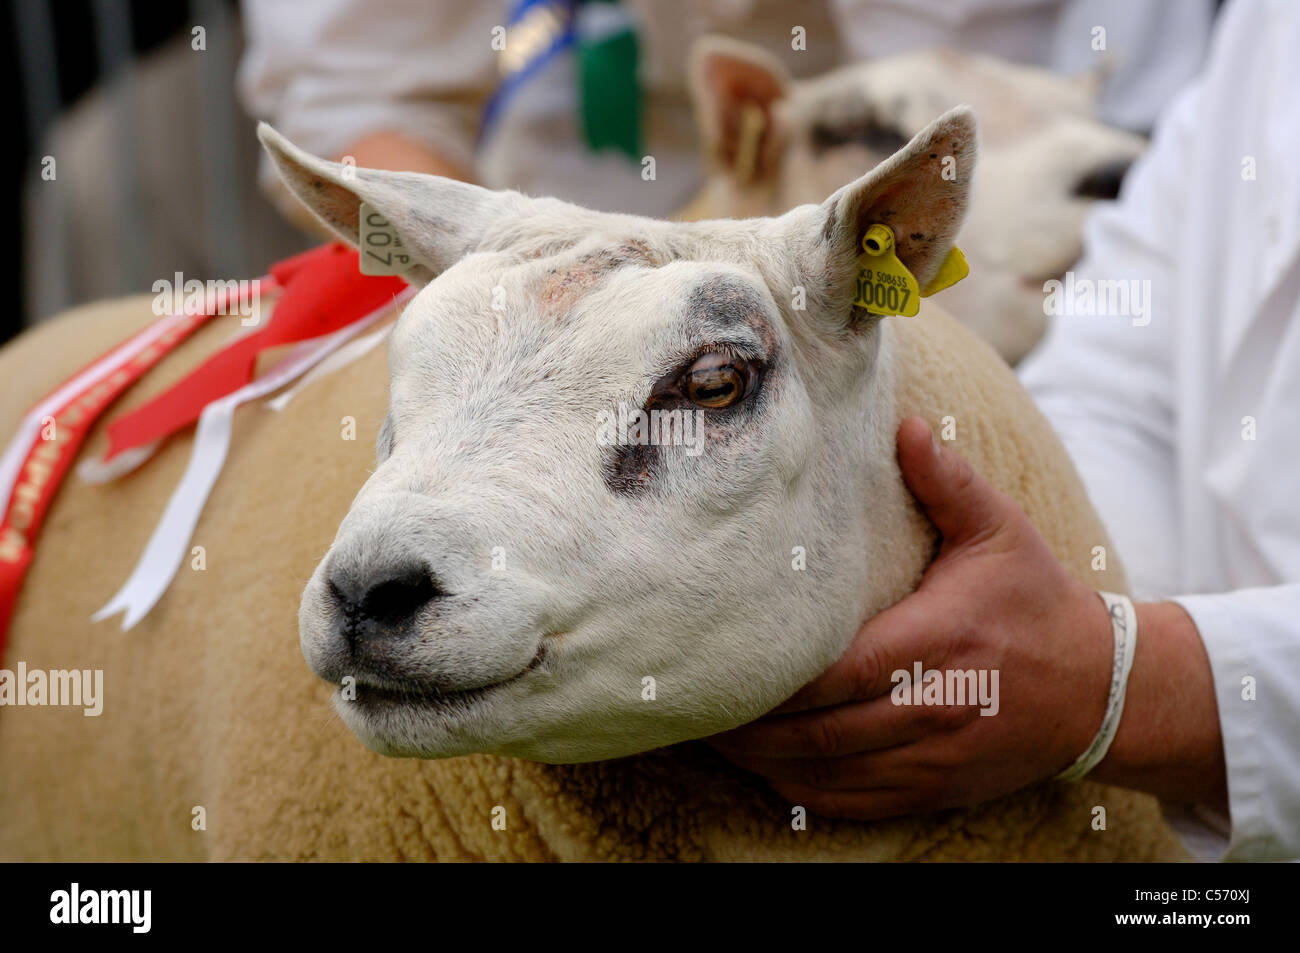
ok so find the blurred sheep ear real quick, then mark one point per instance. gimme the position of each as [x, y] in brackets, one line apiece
[1092, 82]
[921, 192]
[735, 87]
[439, 220]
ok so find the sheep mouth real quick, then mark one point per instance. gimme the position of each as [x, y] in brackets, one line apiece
[378, 698]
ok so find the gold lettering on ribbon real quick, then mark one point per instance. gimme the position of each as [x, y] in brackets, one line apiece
[12, 545]
[43, 458]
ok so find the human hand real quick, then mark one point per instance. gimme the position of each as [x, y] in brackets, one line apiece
[994, 600]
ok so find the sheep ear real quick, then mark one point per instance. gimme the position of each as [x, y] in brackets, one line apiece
[921, 192]
[736, 87]
[439, 220]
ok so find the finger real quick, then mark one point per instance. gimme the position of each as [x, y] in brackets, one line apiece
[855, 772]
[889, 641]
[863, 805]
[959, 501]
[828, 732]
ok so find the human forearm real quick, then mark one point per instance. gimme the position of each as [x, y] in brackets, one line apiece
[1169, 741]
[389, 150]
[396, 151]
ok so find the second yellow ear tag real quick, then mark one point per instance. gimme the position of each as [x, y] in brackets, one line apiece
[953, 270]
[885, 286]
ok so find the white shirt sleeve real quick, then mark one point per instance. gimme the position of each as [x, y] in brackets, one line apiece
[328, 72]
[1107, 382]
[1254, 648]
[1109, 385]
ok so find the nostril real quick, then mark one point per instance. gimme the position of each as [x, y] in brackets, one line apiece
[1104, 181]
[388, 602]
[396, 600]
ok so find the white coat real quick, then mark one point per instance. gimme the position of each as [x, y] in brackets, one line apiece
[328, 72]
[1187, 428]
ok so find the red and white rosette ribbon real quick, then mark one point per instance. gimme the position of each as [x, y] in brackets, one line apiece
[50, 435]
[169, 545]
[325, 303]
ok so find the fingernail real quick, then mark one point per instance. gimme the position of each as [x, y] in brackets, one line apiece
[934, 443]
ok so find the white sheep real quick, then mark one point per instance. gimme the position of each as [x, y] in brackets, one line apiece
[504, 582]
[774, 142]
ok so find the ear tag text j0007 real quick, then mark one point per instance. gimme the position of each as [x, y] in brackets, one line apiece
[887, 287]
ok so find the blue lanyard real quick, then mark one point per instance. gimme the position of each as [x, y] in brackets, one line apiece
[547, 27]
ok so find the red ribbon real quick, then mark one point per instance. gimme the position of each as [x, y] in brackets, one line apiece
[323, 291]
[56, 446]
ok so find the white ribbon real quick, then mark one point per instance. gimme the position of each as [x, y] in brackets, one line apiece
[352, 351]
[94, 471]
[169, 544]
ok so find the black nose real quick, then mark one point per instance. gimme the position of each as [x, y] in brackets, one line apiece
[1103, 182]
[382, 607]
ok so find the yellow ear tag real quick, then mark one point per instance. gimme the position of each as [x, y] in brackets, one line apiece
[886, 286]
[953, 270]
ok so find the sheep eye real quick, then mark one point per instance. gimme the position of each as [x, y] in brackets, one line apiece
[716, 380]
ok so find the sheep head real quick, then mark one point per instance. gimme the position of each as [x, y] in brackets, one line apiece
[637, 481]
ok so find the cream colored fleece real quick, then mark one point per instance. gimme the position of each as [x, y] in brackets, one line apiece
[208, 702]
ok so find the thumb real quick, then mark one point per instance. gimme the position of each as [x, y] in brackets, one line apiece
[958, 500]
